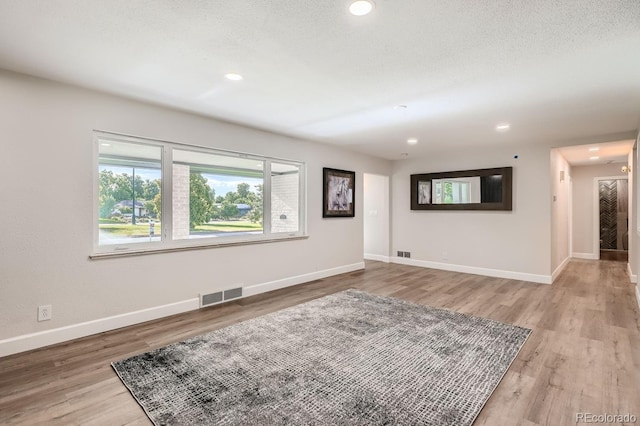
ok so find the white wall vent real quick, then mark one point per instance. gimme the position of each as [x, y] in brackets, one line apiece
[210, 299]
[220, 296]
[233, 293]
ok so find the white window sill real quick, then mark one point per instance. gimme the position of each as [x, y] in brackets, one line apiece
[142, 252]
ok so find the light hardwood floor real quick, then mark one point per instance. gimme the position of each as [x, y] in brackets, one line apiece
[583, 354]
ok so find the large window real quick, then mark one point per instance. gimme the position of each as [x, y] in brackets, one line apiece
[155, 195]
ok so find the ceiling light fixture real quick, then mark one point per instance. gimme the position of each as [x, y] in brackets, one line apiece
[594, 158]
[503, 127]
[594, 149]
[233, 77]
[412, 141]
[361, 7]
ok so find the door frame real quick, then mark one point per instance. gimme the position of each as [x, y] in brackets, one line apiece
[596, 210]
[383, 209]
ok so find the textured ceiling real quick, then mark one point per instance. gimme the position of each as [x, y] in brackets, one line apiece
[558, 71]
[598, 153]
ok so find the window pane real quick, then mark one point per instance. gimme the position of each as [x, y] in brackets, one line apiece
[216, 195]
[285, 197]
[129, 192]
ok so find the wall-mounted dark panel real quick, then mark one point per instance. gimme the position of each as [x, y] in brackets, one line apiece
[491, 189]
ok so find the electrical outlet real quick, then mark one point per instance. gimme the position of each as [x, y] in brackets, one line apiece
[44, 313]
[407, 254]
[400, 254]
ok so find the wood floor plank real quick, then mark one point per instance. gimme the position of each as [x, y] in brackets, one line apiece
[583, 354]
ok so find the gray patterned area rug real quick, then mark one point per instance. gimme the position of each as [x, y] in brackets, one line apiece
[350, 358]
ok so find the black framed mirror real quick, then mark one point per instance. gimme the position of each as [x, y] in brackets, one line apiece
[480, 189]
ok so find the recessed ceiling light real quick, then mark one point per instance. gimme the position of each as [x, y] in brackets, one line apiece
[594, 158]
[105, 144]
[503, 127]
[233, 77]
[412, 141]
[361, 7]
[594, 149]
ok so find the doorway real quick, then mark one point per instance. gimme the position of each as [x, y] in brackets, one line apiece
[376, 217]
[613, 218]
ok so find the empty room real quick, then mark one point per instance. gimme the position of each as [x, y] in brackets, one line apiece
[349, 212]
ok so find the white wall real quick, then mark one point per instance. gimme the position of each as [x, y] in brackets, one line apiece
[513, 244]
[634, 223]
[583, 206]
[376, 217]
[46, 178]
[559, 211]
[633, 211]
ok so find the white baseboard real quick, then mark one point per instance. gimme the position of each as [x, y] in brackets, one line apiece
[287, 282]
[378, 257]
[498, 273]
[632, 278]
[559, 269]
[638, 295]
[40, 339]
[588, 256]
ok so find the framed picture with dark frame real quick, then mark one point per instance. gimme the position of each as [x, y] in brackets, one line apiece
[480, 189]
[338, 195]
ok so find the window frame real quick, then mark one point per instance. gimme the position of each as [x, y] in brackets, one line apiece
[167, 242]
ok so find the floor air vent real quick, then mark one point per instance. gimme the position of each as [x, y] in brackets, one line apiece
[220, 296]
[233, 293]
[210, 299]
